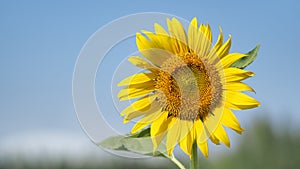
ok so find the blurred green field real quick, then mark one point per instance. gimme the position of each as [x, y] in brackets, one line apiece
[260, 148]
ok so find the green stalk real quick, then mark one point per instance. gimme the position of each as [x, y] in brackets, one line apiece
[174, 160]
[194, 158]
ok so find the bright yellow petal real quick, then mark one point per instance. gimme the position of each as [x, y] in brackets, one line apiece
[139, 62]
[159, 30]
[204, 148]
[224, 49]
[229, 59]
[201, 137]
[229, 120]
[159, 128]
[156, 125]
[193, 34]
[221, 135]
[186, 129]
[219, 41]
[161, 40]
[240, 101]
[185, 144]
[131, 93]
[146, 120]
[173, 135]
[151, 108]
[204, 36]
[177, 32]
[142, 63]
[238, 86]
[138, 78]
[139, 105]
[211, 122]
[199, 131]
[151, 49]
[138, 126]
[192, 137]
[140, 85]
[236, 74]
[205, 29]
[214, 139]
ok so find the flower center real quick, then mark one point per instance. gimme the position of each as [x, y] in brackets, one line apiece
[187, 88]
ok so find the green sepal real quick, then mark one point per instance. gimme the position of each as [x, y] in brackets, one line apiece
[247, 60]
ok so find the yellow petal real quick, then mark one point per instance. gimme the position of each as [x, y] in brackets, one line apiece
[141, 63]
[161, 41]
[154, 40]
[156, 125]
[212, 121]
[185, 130]
[214, 139]
[140, 85]
[145, 121]
[229, 59]
[131, 93]
[133, 115]
[198, 135]
[236, 74]
[139, 105]
[153, 107]
[240, 101]
[199, 131]
[138, 126]
[138, 78]
[219, 41]
[203, 147]
[229, 120]
[173, 135]
[238, 86]
[205, 29]
[193, 34]
[192, 137]
[201, 137]
[186, 144]
[151, 49]
[159, 30]
[204, 36]
[177, 32]
[221, 135]
[159, 128]
[224, 49]
[186, 127]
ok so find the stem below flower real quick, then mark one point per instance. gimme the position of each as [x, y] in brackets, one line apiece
[194, 158]
[175, 161]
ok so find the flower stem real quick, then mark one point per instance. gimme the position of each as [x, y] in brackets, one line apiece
[194, 158]
[175, 161]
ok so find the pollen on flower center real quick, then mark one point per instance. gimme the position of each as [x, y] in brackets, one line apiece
[188, 88]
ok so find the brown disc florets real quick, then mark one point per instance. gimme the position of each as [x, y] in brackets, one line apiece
[188, 88]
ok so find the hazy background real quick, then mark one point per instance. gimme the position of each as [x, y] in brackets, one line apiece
[39, 45]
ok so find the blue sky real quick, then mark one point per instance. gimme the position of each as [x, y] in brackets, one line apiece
[40, 42]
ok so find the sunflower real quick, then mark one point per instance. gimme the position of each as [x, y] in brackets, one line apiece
[188, 88]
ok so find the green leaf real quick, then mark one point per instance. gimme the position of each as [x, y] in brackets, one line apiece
[247, 60]
[140, 143]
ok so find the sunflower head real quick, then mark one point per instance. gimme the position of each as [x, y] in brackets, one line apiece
[188, 88]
